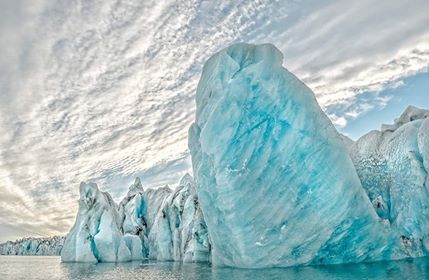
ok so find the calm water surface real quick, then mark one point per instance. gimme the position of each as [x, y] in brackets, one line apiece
[18, 267]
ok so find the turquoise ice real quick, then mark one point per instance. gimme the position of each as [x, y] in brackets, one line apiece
[96, 235]
[161, 224]
[275, 182]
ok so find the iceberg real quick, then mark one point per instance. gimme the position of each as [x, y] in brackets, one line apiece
[275, 185]
[393, 166]
[275, 182]
[176, 225]
[96, 235]
[159, 224]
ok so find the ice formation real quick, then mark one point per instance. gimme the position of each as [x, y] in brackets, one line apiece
[96, 235]
[393, 166]
[276, 184]
[50, 246]
[176, 227]
[274, 179]
[159, 224]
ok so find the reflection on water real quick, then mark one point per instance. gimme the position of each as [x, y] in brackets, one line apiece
[17, 267]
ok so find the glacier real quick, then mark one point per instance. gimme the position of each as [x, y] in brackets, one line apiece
[275, 184]
[161, 224]
[32, 246]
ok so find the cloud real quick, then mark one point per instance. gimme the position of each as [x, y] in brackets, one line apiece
[344, 50]
[104, 90]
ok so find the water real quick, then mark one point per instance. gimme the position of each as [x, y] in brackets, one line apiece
[47, 268]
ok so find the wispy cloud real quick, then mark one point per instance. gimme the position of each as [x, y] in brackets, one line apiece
[344, 50]
[103, 90]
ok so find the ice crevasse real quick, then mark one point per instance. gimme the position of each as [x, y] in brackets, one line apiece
[275, 184]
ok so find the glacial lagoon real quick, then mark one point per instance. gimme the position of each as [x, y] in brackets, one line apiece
[50, 268]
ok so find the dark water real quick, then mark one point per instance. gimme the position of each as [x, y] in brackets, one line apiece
[17, 267]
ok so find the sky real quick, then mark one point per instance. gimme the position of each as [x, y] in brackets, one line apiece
[103, 90]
